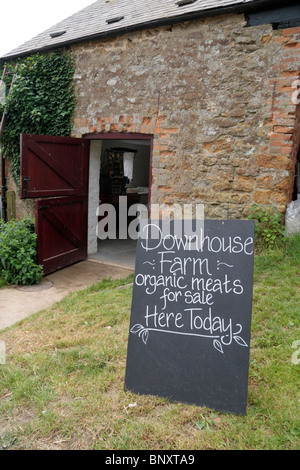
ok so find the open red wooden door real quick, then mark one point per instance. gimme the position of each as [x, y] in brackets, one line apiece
[57, 168]
[53, 166]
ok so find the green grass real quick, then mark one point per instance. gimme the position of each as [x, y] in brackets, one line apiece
[62, 386]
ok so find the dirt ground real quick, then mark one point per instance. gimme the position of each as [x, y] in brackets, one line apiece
[17, 302]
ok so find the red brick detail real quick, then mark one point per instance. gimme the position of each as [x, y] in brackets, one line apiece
[285, 116]
[163, 143]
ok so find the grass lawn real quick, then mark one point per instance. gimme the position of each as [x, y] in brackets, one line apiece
[62, 386]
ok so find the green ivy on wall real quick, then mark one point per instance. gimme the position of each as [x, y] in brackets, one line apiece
[41, 102]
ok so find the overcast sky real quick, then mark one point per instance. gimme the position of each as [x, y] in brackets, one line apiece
[21, 20]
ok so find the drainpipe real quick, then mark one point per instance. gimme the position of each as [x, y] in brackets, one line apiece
[3, 187]
[3, 178]
[2, 124]
[3, 175]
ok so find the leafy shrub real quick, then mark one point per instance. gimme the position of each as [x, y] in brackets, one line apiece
[269, 227]
[18, 253]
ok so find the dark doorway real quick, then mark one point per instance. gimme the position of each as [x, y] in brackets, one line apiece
[123, 167]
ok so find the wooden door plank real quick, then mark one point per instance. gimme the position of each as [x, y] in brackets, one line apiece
[53, 166]
[61, 226]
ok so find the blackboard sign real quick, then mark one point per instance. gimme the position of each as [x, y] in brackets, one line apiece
[189, 334]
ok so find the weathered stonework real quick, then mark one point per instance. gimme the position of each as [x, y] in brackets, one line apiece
[217, 98]
[23, 207]
[215, 95]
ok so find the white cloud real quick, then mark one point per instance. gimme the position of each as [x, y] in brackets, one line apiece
[21, 20]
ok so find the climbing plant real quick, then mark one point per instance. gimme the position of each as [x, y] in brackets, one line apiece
[42, 102]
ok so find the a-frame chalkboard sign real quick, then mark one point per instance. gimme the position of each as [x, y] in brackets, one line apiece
[189, 334]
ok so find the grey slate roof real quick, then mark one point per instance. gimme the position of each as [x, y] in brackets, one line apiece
[92, 21]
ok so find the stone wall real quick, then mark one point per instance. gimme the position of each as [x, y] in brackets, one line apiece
[23, 207]
[215, 95]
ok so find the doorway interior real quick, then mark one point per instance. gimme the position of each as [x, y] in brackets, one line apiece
[120, 165]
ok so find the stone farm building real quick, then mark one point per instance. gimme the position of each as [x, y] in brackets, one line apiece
[203, 91]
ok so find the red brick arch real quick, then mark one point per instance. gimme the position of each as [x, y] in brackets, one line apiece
[158, 127]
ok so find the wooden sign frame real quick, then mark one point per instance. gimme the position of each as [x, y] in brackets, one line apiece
[190, 326]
